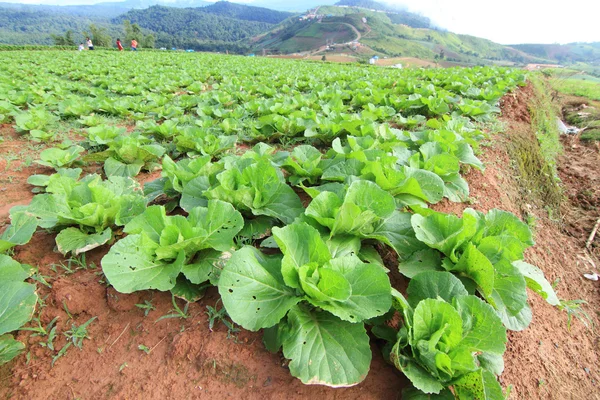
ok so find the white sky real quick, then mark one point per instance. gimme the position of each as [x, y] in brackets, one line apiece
[515, 21]
[506, 22]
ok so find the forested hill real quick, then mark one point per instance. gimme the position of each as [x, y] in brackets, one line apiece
[246, 13]
[193, 23]
[37, 27]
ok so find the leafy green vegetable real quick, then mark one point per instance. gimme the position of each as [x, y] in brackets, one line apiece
[368, 212]
[19, 232]
[90, 205]
[17, 304]
[58, 158]
[328, 347]
[444, 330]
[485, 251]
[304, 165]
[158, 246]
[36, 118]
[258, 187]
[76, 241]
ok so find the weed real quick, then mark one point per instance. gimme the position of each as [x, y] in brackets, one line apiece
[77, 333]
[72, 265]
[535, 160]
[573, 308]
[40, 330]
[531, 221]
[43, 279]
[577, 87]
[66, 308]
[9, 159]
[51, 336]
[541, 382]
[144, 348]
[537, 177]
[61, 353]
[592, 134]
[507, 392]
[147, 307]
[176, 312]
[215, 315]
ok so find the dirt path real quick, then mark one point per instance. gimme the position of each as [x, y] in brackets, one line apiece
[358, 35]
[323, 48]
[17, 156]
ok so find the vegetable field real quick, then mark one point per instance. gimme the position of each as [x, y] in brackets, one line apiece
[301, 192]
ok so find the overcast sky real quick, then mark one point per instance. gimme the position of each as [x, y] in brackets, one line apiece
[515, 21]
[506, 22]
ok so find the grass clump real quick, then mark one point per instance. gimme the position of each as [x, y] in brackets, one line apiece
[590, 134]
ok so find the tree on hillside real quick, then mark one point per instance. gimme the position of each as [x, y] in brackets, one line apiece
[148, 41]
[66, 40]
[99, 36]
[134, 31]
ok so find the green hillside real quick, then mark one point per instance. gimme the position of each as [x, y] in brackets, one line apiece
[382, 35]
[207, 28]
[193, 23]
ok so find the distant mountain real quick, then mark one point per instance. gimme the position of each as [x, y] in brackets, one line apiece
[102, 10]
[95, 11]
[129, 4]
[222, 22]
[246, 13]
[564, 53]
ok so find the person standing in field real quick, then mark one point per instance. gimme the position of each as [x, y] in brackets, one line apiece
[80, 46]
[119, 45]
[89, 43]
[134, 45]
